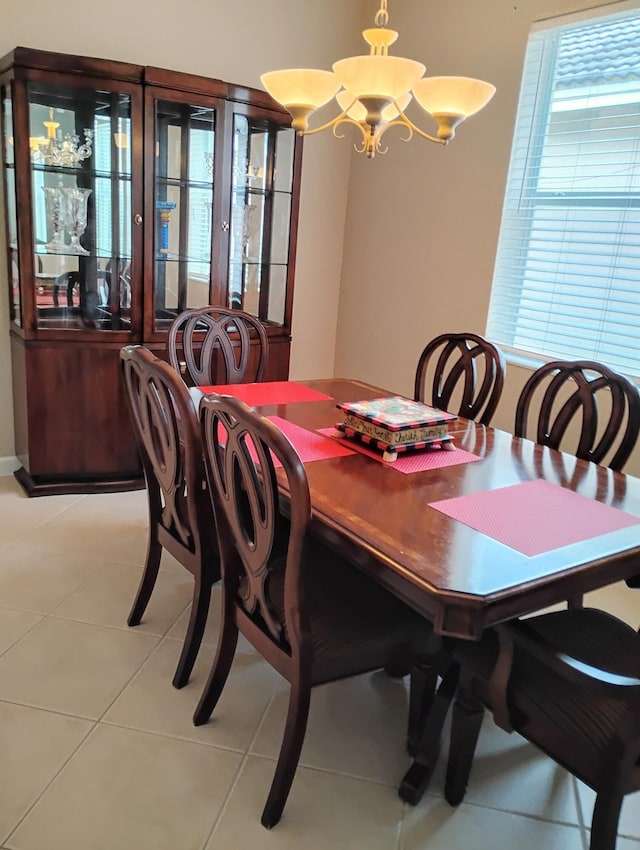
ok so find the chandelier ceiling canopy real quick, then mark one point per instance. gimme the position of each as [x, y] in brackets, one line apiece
[373, 91]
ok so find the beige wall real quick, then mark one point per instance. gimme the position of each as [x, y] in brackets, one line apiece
[423, 221]
[235, 41]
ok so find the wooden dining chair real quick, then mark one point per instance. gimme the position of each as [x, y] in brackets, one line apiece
[462, 366]
[181, 520]
[313, 616]
[213, 345]
[585, 407]
[569, 682]
[584, 402]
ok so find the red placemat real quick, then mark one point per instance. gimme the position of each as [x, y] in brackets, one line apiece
[269, 392]
[535, 516]
[418, 461]
[308, 444]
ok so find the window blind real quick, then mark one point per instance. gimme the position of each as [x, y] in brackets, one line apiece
[567, 274]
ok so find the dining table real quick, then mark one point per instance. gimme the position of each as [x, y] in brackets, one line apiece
[497, 528]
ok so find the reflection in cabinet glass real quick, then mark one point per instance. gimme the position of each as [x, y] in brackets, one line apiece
[184, 168]
[15, 310]
[263, 156]
[81, 200]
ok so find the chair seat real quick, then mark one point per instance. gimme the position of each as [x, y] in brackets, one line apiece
[355, 624]
[575, 724]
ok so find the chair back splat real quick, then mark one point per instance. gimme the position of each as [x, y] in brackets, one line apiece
[313, 616]
[602, 405]
[180, 514]
[463, 365]
[213, 345]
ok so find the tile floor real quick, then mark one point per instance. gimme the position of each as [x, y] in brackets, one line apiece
[97, 750]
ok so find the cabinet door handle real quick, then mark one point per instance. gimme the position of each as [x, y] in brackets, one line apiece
[137, 219]
[225, 226]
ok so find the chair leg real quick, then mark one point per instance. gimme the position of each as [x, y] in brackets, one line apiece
[604, 824]
[299, 700]
[465, 728]
[227, 642]
[148, 580]
[195, 631]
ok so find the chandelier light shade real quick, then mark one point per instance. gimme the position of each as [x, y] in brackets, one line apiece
[374, 90]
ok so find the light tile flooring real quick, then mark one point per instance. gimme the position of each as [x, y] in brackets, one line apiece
[98, 752]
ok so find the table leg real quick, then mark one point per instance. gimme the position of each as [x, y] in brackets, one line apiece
[417, 778]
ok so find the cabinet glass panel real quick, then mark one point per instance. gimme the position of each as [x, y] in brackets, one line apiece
[260, 217]
[12, 217]
[184, 180]
[80, 152]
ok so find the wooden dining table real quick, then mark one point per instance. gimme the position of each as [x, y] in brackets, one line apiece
[548, 527]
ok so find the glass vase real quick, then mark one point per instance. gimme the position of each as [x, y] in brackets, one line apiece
[76, 217]
[55, 219]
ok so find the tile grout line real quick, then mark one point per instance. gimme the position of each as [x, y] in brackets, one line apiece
[236, 779]
[81, 744]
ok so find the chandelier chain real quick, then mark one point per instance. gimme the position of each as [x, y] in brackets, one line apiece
[382, 15]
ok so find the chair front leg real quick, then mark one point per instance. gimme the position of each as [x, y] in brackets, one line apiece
[195, 631]
[296, 726]
[604, 824]
[227, 642]
[148, 580]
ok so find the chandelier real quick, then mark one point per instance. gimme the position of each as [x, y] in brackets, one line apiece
[66, 152]
[374, 90]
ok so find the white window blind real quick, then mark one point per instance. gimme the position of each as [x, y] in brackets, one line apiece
[567, 276]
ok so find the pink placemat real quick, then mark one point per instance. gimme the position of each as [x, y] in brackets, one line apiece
[410, 462]
[269, 392]
[535, 516]
[308, 444]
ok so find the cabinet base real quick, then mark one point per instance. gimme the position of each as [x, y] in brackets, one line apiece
[68, 486]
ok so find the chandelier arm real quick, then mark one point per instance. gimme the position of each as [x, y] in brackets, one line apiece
[339, 119]
[398, 122]
[409, 123]
[353, 122]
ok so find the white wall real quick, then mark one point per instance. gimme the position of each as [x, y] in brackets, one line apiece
[423, 221]
[234, 41]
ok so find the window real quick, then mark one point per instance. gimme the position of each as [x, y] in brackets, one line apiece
[567, 276]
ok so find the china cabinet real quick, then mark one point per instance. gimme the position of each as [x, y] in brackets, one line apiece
[131, 194]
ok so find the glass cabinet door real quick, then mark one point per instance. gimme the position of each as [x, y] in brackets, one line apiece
[11, 206]
[262, 186]
[185, 139]
[80, 144]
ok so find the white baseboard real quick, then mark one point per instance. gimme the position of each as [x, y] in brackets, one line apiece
[8, 465]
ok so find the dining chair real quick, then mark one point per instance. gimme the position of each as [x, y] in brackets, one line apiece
[569, 682]
[181, 520]
[312, 615]
[212, 345]
[462, 366]
[584, 402]
[585, 406]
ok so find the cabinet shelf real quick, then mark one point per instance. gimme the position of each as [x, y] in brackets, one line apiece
[84, 172]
